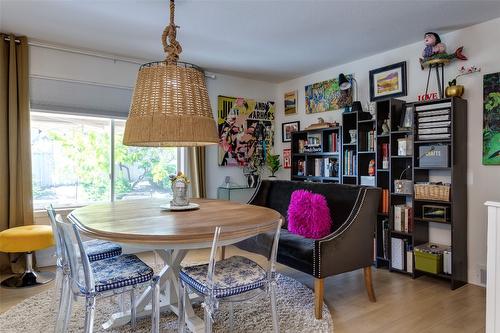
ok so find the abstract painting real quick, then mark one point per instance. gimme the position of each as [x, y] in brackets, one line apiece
[491, 119]
[290, 103]
[327, 96]
[246, 131]
[388, 81]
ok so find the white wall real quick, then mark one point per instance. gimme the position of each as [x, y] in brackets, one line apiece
[482, 47]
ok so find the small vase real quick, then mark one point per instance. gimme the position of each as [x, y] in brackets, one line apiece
[454, 91]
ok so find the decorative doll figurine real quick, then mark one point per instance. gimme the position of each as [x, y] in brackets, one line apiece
[435, 51]
[179, 189]
[386, 126]
[433, 45]
[371, 168]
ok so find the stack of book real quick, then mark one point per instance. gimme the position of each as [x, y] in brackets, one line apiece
[384, 201]
[350, 163]
[370, 140]
[333, 142]
[402, 254]
[403, 219]
[325, 167]
[434, 121]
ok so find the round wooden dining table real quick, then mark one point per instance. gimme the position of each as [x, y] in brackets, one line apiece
[171, 234]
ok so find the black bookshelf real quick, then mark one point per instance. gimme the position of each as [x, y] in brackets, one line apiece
[456, 172]
[304, 163]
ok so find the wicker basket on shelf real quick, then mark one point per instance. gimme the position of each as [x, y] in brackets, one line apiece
[432, 192]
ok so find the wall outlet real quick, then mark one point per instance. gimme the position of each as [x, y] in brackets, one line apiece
[481, 271]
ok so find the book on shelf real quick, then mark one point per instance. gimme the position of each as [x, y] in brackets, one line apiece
[402, 254]
[447, 261]
[301, 168]
[350, 162]
[444, 105]
[385, 156]
[397, 251]
[409, 258]
[333, 142]
[403, 219]
[317, 167]
[384, 201]
[370, 140]
[385, 238]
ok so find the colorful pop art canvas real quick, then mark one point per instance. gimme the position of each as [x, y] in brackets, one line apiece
[491, 119]
[246, 131]
[326, 96]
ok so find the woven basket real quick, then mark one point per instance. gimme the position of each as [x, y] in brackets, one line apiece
[432, 192]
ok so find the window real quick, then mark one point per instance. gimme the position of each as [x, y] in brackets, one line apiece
[72, 162]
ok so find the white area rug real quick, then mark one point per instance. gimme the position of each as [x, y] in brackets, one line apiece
[295, 308]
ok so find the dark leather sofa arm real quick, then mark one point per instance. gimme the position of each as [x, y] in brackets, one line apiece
[350, 247]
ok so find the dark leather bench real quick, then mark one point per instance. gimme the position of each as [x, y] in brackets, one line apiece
[348, 247]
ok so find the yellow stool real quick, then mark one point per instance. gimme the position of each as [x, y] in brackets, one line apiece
[27, 239]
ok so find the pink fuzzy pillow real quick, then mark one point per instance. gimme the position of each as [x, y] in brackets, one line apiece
[309, 215]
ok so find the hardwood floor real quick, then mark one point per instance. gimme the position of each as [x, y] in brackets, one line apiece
[403, 304]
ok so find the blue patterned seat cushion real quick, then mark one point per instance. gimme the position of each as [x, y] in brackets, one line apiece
[232, 276]
[98, 249]
[118, 272]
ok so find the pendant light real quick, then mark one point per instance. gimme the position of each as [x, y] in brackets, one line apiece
[170, 105]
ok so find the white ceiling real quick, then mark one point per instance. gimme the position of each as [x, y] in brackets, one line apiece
[266, 40]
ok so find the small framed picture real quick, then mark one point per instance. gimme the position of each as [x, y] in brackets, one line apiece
[290, 103]
[388, 81]
[287, 158]
[287, 129]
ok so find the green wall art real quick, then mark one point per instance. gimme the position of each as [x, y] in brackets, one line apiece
[326, 96]
[491, 119]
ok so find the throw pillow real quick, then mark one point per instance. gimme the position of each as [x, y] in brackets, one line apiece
[309, 215]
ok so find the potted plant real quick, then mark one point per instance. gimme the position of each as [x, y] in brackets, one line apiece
[273, 164]
[458, 90]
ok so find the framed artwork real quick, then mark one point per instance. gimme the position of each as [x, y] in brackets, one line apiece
[246, 131]
[327, 96]
[287, 158]
[388, 81]
[290, 103]
[491, 119]
[287, 129]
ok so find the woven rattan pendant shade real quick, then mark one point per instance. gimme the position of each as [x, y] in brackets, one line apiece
[170, 105]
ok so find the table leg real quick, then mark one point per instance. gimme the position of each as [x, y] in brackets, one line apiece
[168, 295]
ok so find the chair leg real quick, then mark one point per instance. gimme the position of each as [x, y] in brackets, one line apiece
[89, 314]
[182, 303]
[367, 271]
[121, 302]
[133, 318]
[57, 296]
[274, 308]
[207, 318]
[65, 306]
[319, 287]
[155, 306]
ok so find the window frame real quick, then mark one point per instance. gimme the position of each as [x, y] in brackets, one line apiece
[181, 157]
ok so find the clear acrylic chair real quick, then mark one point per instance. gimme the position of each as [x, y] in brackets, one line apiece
[234, 279]
[99, 279]
[96, 249]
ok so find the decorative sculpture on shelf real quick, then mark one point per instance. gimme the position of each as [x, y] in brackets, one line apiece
[371, 168]
[386, 127]
[458, 90]
[435, 51]
[434, 56]
[179, 189]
